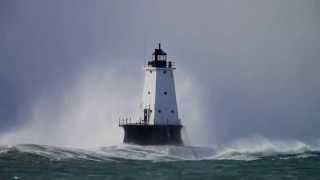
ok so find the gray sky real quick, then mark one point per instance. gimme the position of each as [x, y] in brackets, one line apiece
[243, 67]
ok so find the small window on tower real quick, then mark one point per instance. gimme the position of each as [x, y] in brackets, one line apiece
[165, 93]
[148, 92]
[164, 71]
[150, 72]
[159, 111]
[172, 111]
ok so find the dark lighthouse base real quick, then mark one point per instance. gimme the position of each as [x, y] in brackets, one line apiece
[152, 134]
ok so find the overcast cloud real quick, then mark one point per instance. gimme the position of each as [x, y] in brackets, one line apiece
[68, 69]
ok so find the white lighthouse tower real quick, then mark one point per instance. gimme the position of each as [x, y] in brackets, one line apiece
[160, 124]
[159, 95]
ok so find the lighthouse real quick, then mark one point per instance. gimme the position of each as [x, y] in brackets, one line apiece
[159, 123]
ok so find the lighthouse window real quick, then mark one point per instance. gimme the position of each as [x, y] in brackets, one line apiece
[164, 71]
[165, 93]
[150, 72]
[159, 111]
[172, 111]
[148, 92]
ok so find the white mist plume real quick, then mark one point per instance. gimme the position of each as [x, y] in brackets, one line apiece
[86, 115]
[191, 109]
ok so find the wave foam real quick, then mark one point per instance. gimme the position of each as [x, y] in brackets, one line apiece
[258, 147]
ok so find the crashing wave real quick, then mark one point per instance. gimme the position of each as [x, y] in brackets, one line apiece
[244, 149]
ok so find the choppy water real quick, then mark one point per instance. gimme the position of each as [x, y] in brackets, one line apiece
[29, 161]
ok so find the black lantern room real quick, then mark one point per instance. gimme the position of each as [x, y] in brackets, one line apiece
[159, 58]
